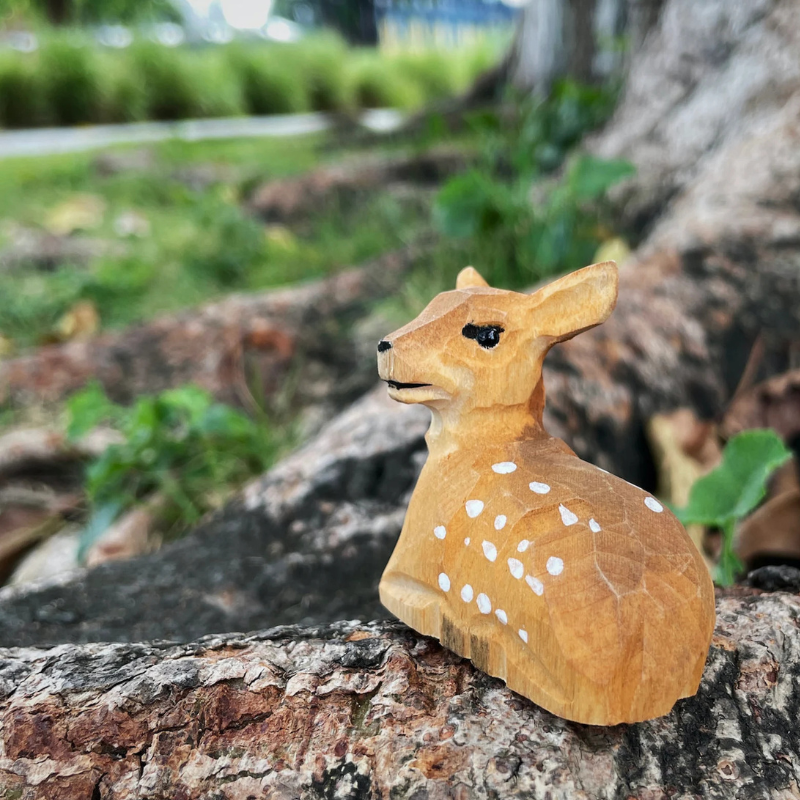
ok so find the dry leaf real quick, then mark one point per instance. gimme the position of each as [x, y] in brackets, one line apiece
[81, 322]
[280, 237]
[82, 212]
[771, 534]
[131, 223]
[772, 404]
[6, 347]
[685, 449]
[131, 535]
[615, 249]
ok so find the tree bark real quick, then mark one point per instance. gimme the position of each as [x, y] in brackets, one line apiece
[373, 710]
[289, 200]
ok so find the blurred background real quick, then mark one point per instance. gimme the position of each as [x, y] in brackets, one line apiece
[211, 210]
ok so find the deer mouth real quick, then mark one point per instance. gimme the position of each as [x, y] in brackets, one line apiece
[399, 385]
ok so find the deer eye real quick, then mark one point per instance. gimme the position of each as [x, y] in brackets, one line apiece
[487, 336]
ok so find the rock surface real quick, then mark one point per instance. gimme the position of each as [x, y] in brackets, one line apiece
[355, 711]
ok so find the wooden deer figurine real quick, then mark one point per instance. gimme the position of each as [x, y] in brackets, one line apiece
[578, 589]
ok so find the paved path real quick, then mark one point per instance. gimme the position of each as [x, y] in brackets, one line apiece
[47, 141]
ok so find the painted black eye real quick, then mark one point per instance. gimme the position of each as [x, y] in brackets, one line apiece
[487, 336]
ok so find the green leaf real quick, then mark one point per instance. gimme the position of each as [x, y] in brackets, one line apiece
[590, 177]
[739, 483]
[463, 204]
[98, 523]
[87, 409]
[190, 399]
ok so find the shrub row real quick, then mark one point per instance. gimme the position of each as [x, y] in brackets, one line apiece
[69, 83]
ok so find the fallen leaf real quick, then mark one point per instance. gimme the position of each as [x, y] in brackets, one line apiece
[130, 535]
[131, 223]
[81, 322]
[6, 347]
[82, 212]
[775, 404]
[280, 237]
[771, 534]
[685, 449]
[615, 249]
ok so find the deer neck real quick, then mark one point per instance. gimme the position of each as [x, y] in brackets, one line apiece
[458, 428]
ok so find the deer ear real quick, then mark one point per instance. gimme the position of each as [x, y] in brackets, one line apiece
[576, 302]
[469, 276]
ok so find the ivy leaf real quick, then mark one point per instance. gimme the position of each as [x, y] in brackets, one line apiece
[732, 490]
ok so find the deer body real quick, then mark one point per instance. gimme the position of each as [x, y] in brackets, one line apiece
[578, 589]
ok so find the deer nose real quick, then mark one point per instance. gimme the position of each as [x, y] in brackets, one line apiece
[383, 346]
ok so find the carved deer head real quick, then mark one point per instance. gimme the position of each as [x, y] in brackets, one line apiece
[482, 348]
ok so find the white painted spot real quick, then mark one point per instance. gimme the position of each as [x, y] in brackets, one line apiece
[555, 566]
[490, 551]
[515, 565]
[467, 594]
[653, 504]
[467, 541]
[523, 634]
[539, 488]
[535, 584]
[444, 582]
[484, 604]
[474, 507]
[567, 517]
[523, 546]
[500, 522]
[593, 526]
[504, 467]
[502, 616]
[440, 531]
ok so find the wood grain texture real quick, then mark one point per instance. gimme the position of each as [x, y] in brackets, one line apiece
[578, 589]
[355, 711]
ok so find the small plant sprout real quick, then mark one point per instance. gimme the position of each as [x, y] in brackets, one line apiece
[730, 492]
[179, 445]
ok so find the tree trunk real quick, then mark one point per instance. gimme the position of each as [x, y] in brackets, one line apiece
[577, 39]
[354, 19]
[358, 711]
[572, 38]
[57, 11]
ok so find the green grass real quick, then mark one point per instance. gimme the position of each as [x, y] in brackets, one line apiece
[201, 242]
[201, 245]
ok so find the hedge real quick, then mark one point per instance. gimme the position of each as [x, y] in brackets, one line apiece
[69, 81]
